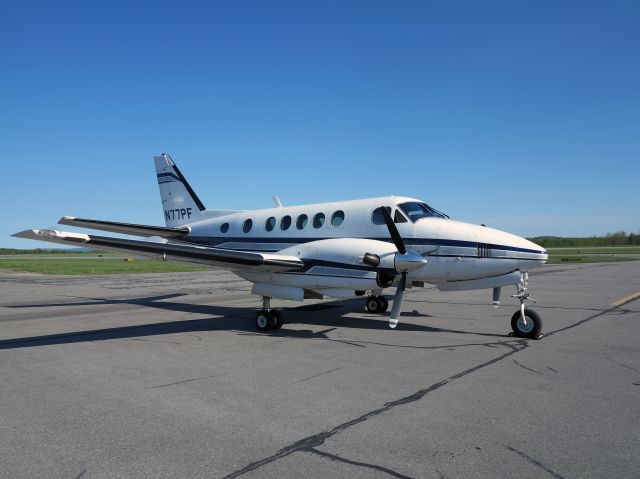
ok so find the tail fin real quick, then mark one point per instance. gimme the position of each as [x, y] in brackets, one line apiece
[180, 203]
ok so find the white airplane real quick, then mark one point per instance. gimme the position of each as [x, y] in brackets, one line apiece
[344, 249]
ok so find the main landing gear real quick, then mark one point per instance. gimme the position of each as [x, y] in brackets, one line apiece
[377, 304]
[525, 323]
[267, 318]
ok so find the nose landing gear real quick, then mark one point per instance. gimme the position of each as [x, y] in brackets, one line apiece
[525, 323]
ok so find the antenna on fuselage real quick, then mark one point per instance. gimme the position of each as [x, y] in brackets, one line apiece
[276, 202]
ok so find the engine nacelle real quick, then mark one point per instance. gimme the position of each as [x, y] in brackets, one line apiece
[354, 264]
[345, 251]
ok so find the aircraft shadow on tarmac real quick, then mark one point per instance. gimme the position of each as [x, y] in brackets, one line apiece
[239, 319]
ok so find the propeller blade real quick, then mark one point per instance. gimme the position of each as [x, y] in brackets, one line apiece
[393, 231]
[397, 301]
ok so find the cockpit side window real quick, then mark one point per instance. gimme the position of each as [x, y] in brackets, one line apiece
[416, 211]
[399, 217]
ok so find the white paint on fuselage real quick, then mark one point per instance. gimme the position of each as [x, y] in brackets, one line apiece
[357, 222]
[447, 259]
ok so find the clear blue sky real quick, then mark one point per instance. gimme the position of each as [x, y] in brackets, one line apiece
[521, 115]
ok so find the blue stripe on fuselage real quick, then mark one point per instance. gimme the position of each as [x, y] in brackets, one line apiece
[217, 240]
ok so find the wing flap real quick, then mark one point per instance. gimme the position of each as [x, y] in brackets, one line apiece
[125, 228]
[217, 257]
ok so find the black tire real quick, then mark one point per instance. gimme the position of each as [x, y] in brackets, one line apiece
[264, 321]
[532, 330]
[277, 319]
[373, 306]
[384, 304]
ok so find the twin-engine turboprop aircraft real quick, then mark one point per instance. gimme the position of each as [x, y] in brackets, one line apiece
[344, 249]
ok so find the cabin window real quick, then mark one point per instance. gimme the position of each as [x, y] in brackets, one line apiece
[270, 224]
[318, 220]
[248, 223]
[224, 227]
[337, 218]
[285, 222]
[376, 216]
[302, 221]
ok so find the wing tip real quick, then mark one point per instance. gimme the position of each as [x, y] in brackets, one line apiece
[52, 235]
[28, 234]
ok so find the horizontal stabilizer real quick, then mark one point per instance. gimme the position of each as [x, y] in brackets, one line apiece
[216, 257]
[125, 228]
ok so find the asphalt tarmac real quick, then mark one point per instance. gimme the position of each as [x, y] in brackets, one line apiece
[166, 376]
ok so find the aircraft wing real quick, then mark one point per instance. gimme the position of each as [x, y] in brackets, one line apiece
[216, 257]
[125, 228]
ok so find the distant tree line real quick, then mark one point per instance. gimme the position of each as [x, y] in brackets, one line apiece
[619, 238]
[42, 250]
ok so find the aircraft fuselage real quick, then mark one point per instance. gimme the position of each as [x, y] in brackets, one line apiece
[455, 250]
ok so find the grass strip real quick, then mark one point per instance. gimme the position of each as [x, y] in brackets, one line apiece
[587, 259]
[595, 250]
[73, 266]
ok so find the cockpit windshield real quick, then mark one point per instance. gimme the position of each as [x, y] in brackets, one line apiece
[416, 211]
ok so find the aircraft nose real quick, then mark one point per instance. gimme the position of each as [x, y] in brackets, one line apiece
[527, 253]
[537, 255]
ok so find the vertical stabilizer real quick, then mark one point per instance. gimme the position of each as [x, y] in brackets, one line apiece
[180, 203]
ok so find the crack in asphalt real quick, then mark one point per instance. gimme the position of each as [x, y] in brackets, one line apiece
[317, 375]
[534, 462]
[622, 365]
[319, 439]
[183, 381]
[333, 457]
[450, 347]
[528, 369]
[313, 441]
[582, 321]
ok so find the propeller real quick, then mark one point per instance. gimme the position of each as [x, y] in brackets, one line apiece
[398, 300]
[393, 231]
[405, 261]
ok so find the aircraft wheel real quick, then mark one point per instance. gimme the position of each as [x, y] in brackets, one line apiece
[383, 304]
[533, 327]
[277, 319]
[373, 306]
[264, 320]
